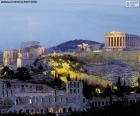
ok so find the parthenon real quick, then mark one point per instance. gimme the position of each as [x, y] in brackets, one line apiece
[118, 41]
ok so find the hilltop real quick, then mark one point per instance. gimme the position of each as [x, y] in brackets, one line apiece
[72, 45]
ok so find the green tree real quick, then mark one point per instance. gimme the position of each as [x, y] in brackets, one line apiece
[40, 68]
[108, 91]
[87, 90]
[119, 88]
[23, 74]
[7, 72]
[68, 77]
[138, 88]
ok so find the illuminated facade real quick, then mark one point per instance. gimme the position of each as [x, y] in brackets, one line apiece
[84, 47]
[30, 51]
[118, 41]
[38, 98]
[9, 57]
[19, 58]
[25, 56]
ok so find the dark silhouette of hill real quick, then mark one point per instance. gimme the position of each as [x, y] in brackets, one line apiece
[72, 45]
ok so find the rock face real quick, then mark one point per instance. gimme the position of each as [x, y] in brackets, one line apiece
[71, 46]
[111, 72]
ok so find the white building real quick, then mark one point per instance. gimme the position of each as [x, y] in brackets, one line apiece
[101, 102]
[37, 98]
[26, 55]
[10, 58]
[29, 52]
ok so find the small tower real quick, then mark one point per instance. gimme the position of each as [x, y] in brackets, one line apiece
[19, 58]
[74, 87]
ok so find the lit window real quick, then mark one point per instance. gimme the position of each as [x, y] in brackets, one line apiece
[51, 110]
[60, 110]
[30, 101]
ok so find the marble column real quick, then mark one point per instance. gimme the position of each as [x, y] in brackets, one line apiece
[105, 41]
[113, 41]
[123, 41]
[108, 42]
[116, 42]
[119, 41]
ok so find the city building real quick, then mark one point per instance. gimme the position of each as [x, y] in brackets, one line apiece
[29, 52]
[19, 58]
[38, 98]
[10, 58]
[118, 41]
[26, 55]
[84, 47]
[17, 97]
[101, 102]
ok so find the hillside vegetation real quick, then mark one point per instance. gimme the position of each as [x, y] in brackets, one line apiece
[127, 57]
[70, 64]
[100, 68]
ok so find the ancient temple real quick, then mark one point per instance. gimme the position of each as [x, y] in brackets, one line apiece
[118, 41]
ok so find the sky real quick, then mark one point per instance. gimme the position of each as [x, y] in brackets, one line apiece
[54, 21]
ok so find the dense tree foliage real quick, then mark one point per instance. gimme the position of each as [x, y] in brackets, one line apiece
[88, 90]
[116, 109]
[23, 74]
[40, 68]
[138, 88]
[56, 82]
[7, 72]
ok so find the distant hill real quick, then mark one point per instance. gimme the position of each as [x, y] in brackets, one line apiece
[72, 45]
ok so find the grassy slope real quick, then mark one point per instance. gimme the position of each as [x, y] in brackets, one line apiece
[74, 68]
[128, 57]
[65, 66]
